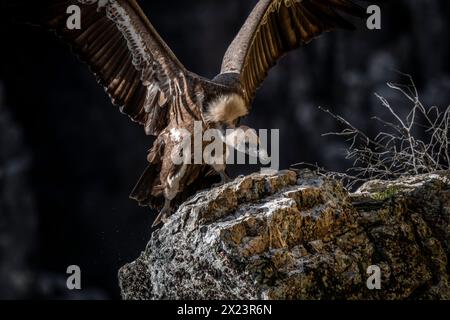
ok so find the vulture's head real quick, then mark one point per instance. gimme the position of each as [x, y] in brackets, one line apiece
[246, 140]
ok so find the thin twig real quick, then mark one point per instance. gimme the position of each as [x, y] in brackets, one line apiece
[399, 150]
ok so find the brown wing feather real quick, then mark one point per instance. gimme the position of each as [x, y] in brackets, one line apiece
[123, 50]
[274, 28]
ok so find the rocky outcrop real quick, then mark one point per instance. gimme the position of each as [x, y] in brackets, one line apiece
[296, 235]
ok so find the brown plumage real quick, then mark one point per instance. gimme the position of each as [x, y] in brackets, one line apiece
[145, 79]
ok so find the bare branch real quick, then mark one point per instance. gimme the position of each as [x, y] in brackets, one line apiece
[401, 150]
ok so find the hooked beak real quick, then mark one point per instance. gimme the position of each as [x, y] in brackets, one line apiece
[257, 152]
[263, 156]
[245, 140]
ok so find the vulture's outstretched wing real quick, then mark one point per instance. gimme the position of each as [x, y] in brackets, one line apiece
[137, 69]
[276, 27]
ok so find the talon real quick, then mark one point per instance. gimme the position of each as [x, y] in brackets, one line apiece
[163, 215]
[224, 178]
[216, 185]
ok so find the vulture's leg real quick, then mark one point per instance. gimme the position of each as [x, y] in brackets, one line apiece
[171, 190]
[165, 212]
[224, 178]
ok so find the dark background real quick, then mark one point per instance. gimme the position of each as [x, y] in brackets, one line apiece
[68, 158]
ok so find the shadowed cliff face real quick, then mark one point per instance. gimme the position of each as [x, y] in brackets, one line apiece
[85, 157]
[17, 210]
[295, 235]
[20, 278]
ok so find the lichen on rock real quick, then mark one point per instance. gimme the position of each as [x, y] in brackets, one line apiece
[297, 235]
